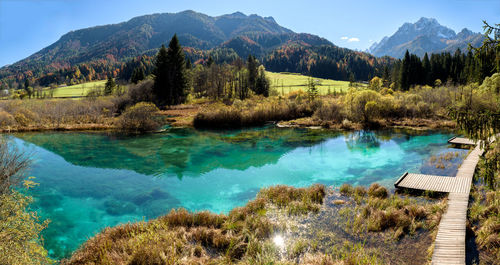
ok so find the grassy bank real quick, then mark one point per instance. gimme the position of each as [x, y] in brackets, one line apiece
[423, 107]
[244, 235]
[87, 114]
[282, 225]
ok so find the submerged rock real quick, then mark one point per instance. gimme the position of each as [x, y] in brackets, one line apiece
[114, 207]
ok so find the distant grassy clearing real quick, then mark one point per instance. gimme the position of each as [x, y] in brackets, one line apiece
[285, 83]
[79, 90]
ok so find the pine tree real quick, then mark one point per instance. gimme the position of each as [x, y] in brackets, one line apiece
[137, 75]
[177, 68]
[312, 90]
[252, 72]
[262, 83]
[426, 65]
[161, 88]
[27, 87]
[171, 80]
[405, 73]
[109, 87]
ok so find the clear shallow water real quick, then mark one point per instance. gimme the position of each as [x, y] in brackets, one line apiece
[92, 180]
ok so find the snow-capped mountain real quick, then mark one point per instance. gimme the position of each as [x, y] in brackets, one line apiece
[425, 35]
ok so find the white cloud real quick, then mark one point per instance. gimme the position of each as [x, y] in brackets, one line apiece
[344, 38]
[353, 40]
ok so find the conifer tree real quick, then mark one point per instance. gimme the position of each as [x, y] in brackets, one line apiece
[109, 86]
[252, 72]
[262, 83]
[137, 75]
[171, 80]
[405, 73]
[161, 89]
[426, 65]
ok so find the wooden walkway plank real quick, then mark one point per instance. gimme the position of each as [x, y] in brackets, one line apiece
[449, 247]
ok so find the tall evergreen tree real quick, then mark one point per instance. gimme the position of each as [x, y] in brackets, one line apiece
[137, 75]
[161, 90]
[405, 72]
[426, 68]
[109, 86]
[171, 80]
[252, 72]
[262, 83]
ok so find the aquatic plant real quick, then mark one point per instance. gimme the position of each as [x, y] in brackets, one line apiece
[380, 212]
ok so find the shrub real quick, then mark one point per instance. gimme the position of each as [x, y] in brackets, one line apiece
[225, 117]
[20, 240]
[25, 117]
[330, 111]
[140, 117]
[13, 165]
[252, 112]
[363, 105]
[6, 119]
[45, 113]
[141, 92]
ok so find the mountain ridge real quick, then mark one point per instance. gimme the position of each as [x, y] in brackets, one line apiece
[97, 52]
[424, 36]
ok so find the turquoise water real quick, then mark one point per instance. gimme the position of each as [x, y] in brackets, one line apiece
[92, 180]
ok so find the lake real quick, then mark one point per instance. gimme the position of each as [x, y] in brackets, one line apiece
[90, 180]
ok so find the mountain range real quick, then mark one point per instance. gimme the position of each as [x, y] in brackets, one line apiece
[149, 32]
[425, 36]
[105, 48]
[100, 50]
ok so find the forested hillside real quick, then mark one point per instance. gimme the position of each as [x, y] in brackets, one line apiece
[95, 53]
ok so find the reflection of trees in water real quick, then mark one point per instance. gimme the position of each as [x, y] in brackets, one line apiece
[179, 150]
[362, 140]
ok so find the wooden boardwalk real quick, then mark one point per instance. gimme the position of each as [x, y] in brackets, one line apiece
[461, 141]
[433, 183]
[449, 247]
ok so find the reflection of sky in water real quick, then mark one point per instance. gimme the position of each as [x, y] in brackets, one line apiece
[92, 180]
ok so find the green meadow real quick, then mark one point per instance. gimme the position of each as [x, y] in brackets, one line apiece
[285, 83]
[79, 90]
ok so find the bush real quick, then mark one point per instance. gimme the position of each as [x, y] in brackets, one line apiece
[141, 92]
[331, 111]
[45, 113]
[20, 240]
[363, 105]
[226, 117]
[6, 119]
[252, 112]
[140, 117]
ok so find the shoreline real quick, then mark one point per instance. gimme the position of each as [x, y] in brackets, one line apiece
[177, 119]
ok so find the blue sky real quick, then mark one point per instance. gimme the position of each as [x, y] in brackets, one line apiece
[26, 26]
